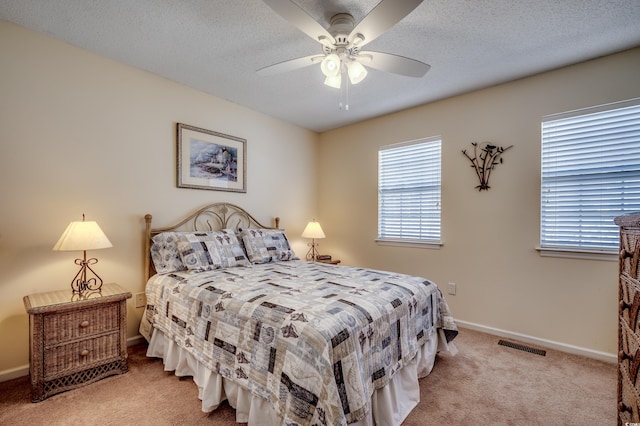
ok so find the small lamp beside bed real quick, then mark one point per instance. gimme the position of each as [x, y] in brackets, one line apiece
[313, 231]
[82, 236]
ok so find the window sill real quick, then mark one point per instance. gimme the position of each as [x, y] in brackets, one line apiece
[575, 253]
[410, 243]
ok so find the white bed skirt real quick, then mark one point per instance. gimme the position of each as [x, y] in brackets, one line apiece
[390, 405]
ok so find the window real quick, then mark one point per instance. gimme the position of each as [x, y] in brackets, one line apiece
[590, 175]
[409, 192]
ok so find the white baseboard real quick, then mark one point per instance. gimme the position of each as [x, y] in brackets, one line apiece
[14, 373]
[135, 340]
[563, 347]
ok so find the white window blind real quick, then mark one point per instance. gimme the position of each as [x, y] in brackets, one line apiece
[409, 191]
[590, 175]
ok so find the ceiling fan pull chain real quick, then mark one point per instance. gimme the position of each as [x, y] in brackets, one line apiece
[347, 90]
[341, 95]
[344, 94]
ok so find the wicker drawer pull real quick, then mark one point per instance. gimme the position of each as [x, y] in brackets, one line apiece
[84, 324]
[85, 352]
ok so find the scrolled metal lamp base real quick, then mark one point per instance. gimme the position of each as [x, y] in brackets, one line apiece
[82, 285]
[312, 254]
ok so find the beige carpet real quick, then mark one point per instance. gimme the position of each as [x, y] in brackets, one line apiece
[484, 384]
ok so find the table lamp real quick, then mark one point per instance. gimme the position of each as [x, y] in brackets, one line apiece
[82, 236]
[313, 231]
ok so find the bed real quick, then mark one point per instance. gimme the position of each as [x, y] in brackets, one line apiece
[284, 340]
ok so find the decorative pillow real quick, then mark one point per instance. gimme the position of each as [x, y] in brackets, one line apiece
[231, 249]
[205, 251]
[164, 253]
[267, 245]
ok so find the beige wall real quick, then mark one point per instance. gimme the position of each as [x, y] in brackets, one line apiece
[489, 237]
[84, 134]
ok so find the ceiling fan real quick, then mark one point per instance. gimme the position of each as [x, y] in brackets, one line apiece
[343, 40]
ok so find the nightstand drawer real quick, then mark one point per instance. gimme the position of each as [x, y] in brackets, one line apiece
[67, 326]
[62, 359]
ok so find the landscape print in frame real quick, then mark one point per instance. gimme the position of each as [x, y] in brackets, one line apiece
[211, 160]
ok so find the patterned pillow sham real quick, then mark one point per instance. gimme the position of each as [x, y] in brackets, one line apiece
[267, 245]
[205, 251]
[232, 249]
[164, 253]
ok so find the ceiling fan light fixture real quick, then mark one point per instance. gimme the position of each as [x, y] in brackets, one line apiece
[357, 72]
[330, 65]
[333, 81]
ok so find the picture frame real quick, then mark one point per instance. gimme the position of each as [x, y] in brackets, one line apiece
[210, 160]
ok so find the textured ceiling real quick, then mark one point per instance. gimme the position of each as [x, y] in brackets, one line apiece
[217, 45]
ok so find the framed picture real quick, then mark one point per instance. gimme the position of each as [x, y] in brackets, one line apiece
[211, 160]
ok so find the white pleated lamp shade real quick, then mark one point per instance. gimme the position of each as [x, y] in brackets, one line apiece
[82, 235]
[313, 230]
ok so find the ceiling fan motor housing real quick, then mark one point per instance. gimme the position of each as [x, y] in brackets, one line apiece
[340, 28]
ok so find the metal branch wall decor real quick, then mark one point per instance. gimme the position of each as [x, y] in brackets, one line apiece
[485, 158]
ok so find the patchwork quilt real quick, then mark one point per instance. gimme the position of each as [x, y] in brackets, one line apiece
[313, 339]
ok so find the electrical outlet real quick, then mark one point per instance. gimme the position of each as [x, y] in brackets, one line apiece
[451, 289]
[140, 300]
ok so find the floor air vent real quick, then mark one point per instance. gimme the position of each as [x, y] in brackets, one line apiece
[522, 347]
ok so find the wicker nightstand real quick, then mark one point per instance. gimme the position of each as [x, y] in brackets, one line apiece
[74, 343]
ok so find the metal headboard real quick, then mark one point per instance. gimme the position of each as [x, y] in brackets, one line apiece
[211, 217]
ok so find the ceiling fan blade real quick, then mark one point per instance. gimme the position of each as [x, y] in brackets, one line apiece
[301, 19]
[290, 65]
[382, 17]
[393, 63]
